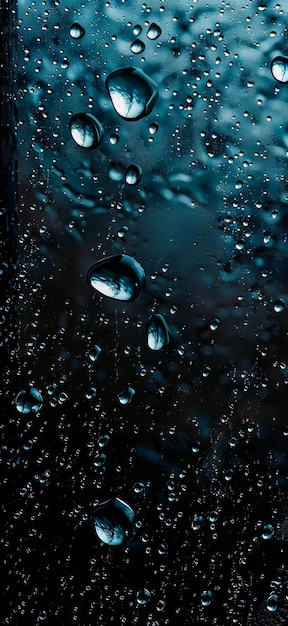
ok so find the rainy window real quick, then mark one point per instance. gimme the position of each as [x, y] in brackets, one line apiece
[147, 429]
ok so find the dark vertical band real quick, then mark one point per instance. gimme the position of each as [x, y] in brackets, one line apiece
[8, 186]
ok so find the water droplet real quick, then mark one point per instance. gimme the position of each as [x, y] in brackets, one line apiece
[100, 459]
[137, 30]
[154, 31]
[133, 94]
[278, 305]
[122, 232]
[160, 606]
[267, 531]
[157, 332]
[272, 602]
[125, 397]
[76, 31]
[137, 46]
[86, 130]
[143, 596]
[113, 521]
[119, 277]
[214, 325]
[153, 128]
[206, 598]
[279, 69]
[114, 138]
[28, 400]
[197, 522]
[133, 175]
[238, 184]
[94, 353]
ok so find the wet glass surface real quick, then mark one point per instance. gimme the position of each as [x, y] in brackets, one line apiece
[147, 457]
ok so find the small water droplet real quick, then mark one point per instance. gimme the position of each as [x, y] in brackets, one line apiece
[267, 531]
[137, 46]
[153, 128]
[76, 31]
[272, 602]
[94, 353]
[214, 325]
[133, 175]
[28, 400]
[86, 130]
[157, 332]
[278, 305]
[132, 93]
[126, 396]
[197, 522]
[279, 69]
[122, 232]
[113, 521]
[114, 138]
[119, 277]
[143, 596]
[100, 459]
[206, 598]
[137, 30]
[154, 31]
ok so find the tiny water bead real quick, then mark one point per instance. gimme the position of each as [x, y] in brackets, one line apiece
[279, 69]
[28, 400]
[119, 277]
[206, 598]
[113, 521]
[133, 175]
[157, 332]
[86, 130]
[132, 93]
[76, 31]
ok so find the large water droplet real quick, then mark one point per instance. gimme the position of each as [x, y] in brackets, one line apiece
[133, 174]
[154, 31]
[113, 521]
[133, 94]
[279, 69]
[29, 400]
[86, 130]
[157, 332]
[137, 46]
[119, 277]
[76, 31]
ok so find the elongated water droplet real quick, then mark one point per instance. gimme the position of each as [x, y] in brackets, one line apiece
[137, 46]
[28, 400]
[77, 31]
[86, 130]
[133, 174]
[279, 69]
[119, 277]
[133, 94]
[154, 31]
[157, 332]
[113, 521]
